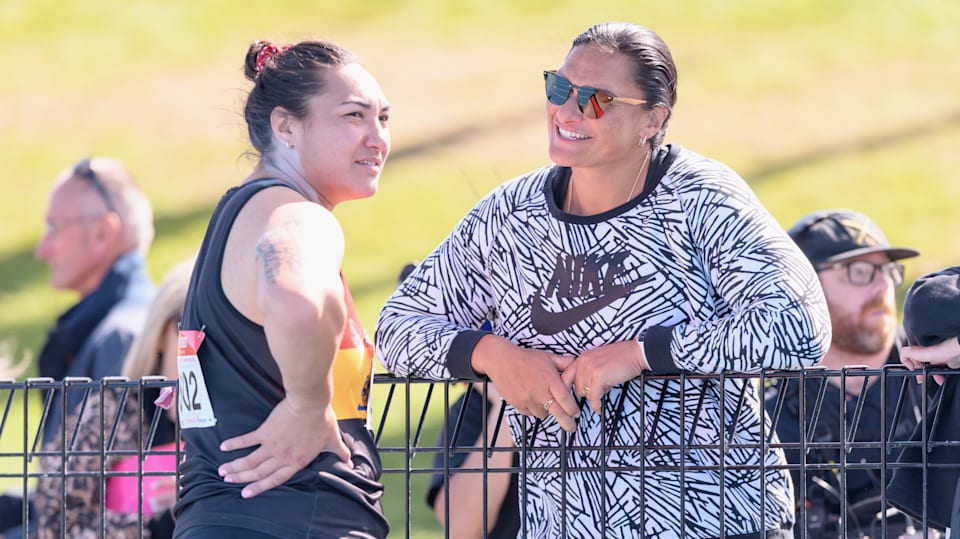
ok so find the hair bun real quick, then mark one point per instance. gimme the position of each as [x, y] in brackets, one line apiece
[268, 52]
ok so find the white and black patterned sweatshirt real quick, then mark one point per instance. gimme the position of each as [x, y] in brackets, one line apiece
[697, 270]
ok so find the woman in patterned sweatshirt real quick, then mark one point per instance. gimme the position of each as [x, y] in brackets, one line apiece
[624, 260]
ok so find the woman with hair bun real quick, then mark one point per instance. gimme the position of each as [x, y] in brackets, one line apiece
[275, 368]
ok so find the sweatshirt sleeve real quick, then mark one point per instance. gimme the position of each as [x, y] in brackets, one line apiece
[428, 326]
[769, 311]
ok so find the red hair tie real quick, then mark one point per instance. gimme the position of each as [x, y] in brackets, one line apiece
[267, 53]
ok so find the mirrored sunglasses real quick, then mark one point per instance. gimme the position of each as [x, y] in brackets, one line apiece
[559, 89]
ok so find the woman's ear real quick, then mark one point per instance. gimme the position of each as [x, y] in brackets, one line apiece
[655, 120]
[283, 123]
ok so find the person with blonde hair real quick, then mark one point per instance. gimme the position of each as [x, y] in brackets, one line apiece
[159, 331]
[153, 353]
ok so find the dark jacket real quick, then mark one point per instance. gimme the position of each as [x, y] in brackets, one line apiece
[837, 427]
[931, 314]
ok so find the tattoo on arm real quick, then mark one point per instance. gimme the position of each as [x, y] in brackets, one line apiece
[277, 251]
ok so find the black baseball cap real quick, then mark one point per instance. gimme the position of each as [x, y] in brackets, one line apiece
[930, 309]
[832, 235]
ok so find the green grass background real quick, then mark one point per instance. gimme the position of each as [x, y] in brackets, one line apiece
[816, 103]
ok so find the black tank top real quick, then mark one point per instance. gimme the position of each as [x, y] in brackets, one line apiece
[327, 498]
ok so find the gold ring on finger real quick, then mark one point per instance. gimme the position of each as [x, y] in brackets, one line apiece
[586, 390]
[546, 405]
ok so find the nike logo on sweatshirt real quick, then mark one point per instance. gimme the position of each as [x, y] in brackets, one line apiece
[579, 277]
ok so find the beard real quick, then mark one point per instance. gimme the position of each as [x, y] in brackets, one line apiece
[863, 333]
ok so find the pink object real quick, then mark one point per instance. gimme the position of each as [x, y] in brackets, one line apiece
[121, 495]
[165, 400]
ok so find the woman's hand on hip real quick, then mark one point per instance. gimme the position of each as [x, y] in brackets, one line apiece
[289, 440]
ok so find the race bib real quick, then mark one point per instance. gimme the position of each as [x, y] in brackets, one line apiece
[194, 410]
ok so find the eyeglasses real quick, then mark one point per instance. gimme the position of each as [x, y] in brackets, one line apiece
[862, 273]
[559, 90]
[83, 170]
[52, 229]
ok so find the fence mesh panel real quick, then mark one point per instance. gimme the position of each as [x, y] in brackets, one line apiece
[882, 424]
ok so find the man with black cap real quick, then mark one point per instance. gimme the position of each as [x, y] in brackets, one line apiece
[859, 272]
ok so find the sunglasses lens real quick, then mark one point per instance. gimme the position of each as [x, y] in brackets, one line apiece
[594, 108]
[558, 88]
[601, 100]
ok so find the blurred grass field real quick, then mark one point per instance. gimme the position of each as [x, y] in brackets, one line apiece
[816, 103]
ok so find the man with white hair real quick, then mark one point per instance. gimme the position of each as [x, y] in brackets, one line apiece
[99, 226]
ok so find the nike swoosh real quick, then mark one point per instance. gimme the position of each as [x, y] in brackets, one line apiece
[548, 323]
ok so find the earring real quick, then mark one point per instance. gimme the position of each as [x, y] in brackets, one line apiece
[642, 141]
[289, 146]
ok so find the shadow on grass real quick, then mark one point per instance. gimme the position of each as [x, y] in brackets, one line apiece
[764, 172]
[878, 141]
[456, 135]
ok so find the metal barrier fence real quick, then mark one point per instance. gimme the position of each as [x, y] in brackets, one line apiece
[843, 452]
[106, 460]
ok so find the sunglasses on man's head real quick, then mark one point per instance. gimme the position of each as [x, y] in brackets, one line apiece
[83, 170]
[559, 90]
